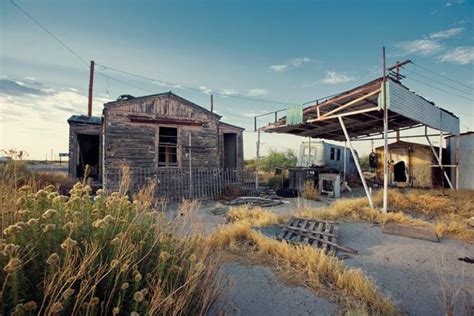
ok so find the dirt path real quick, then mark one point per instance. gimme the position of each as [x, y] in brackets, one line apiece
[413, 272]
[256, 290]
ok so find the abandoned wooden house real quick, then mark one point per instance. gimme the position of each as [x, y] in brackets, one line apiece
[411, 165]
[162, 137]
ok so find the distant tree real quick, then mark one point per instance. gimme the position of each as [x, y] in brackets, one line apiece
[364, 163]
[277, 158]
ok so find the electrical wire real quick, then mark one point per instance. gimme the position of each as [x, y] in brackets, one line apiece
[442, 76]
[438, 88]
[183, 86]
[50, 33]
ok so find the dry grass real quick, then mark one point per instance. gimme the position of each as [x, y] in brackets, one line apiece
[310, 192]
[85, 255]
[315, 270]
[255, 216]
[448, 214]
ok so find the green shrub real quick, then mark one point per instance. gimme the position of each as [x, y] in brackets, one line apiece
[98, 255]
[278, 159]
[275, 182]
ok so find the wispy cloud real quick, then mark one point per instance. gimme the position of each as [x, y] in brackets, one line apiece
[205, 89]
[459, 55]
[332, 77]
[257, 92]
[17, 87]
[279, 68]
[292, 63]
[446, 34]
[424, 47]
[228, 92]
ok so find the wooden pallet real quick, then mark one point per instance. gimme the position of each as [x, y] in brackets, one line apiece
[317, 233]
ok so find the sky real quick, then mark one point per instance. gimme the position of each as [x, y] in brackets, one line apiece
[288, 52]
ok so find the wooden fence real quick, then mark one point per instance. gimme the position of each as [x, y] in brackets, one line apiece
[176, 184]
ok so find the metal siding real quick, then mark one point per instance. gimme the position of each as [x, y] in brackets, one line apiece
[466, 160]
[408, 104]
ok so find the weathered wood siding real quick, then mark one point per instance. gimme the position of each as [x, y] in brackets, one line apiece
[136, 143]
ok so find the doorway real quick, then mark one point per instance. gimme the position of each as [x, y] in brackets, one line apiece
[230, 150]
[399, 172]
[88, 155]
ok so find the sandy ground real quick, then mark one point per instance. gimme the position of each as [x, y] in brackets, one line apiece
[413, 272]
[255, 290]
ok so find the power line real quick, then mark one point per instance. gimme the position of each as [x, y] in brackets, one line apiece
[183, 86]
[439, 82]
[438, 88]
[50, 33]
[442, 76]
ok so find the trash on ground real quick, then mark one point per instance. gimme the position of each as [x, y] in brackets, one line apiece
[317, 233]
[255, 201]
[419, 232]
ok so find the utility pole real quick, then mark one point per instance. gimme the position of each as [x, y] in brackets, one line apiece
[385, 132]
[91, 88]
[212, 103]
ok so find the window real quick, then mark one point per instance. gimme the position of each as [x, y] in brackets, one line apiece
[167, 147]
[338, 154]
[333, 153]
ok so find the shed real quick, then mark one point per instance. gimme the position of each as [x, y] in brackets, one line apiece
[410, 164]
[151, 135]
[465, 169]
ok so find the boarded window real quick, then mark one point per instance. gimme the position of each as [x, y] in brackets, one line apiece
[338, 154]
[333, 153]
[167, 147]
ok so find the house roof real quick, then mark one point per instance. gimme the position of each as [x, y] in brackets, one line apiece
[359, 109]
[84, 119]
[231, 126]
[462, 134]
[169, 93]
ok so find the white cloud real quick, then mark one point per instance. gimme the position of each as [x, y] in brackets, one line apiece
[447, 34]
[423, 47]
[279, 68]
[293, 63]
[297, 62]
[458, 55]
[333, 77]
[228, 92]
[205, 89]
[258, 92]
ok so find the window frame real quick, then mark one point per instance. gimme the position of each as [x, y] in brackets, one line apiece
[162, 144]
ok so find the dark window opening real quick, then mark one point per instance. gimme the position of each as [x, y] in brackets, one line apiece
[338, 154]
[333, 153]
[168, 147]
[88, 156]
[230, 150]
[399, 172]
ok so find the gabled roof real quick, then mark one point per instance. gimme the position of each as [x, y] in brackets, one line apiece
[231, 126]
[84, 119]
[169, 94]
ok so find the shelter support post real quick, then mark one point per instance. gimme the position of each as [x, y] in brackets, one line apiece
[457, 161]
[356, 160]
[440, 163]
[385, 136]
[257, 161]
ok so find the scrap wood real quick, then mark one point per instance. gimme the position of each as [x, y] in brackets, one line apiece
[317, 233]
[466, 259]
[419, 232]
[255, 201]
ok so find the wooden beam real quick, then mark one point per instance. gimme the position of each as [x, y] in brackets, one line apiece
[419, 232]
[348, 104]
[145, 119]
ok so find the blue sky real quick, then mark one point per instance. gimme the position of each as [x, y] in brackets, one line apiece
[290, 51]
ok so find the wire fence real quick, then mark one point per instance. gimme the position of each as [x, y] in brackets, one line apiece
[175, 184]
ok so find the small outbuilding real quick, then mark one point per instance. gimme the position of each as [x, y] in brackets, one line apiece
[410, 165]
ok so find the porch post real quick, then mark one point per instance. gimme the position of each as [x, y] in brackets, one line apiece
[356, 160]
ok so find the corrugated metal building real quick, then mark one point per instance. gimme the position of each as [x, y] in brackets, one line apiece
[466, 159]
